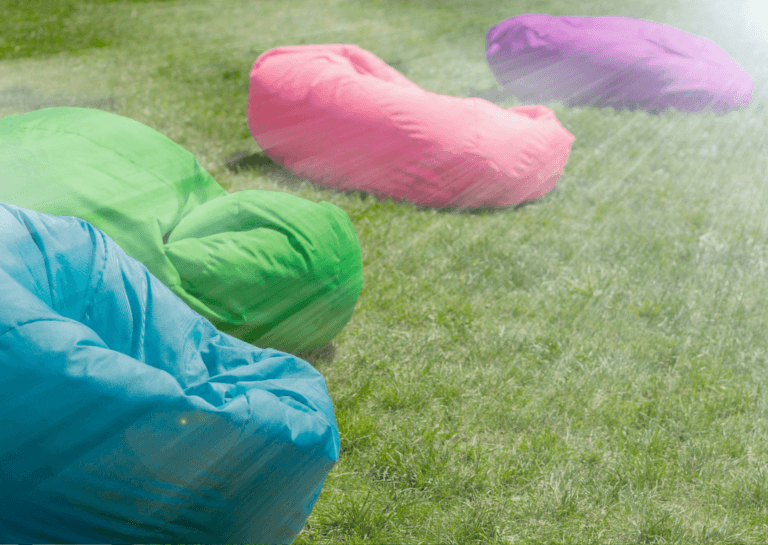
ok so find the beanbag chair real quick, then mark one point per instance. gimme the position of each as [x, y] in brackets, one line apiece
[614, 61]
[341, 117]
[267, 267]
[125, 417]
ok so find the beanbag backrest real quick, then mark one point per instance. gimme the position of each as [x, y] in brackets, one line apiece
[253, 277]
[125, 417]
[614, 61]
[341, 117]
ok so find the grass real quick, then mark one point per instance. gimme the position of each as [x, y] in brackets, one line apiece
[589, 368]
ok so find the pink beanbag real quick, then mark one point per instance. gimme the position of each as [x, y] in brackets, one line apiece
[341, 117]
[614, 61]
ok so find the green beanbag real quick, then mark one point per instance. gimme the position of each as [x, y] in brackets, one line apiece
[267, 267]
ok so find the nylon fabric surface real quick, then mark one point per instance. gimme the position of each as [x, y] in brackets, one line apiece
[341, 117]
[125, 417]
[285, 275]
[617, 62]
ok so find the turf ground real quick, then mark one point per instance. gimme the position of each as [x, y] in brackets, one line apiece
[589, 368]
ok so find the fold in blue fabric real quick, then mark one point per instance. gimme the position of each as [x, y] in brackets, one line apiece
[125, 417]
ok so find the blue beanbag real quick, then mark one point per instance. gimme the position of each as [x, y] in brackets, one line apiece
[125, 417]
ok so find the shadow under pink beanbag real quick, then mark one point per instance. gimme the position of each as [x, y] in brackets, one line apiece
[341, 117]
[614, 61]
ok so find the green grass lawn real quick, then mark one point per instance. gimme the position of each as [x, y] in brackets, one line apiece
[588, 368]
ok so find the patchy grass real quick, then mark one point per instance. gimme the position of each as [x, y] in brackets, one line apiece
[590, 368]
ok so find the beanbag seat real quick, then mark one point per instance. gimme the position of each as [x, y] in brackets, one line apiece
[619, 62]
[267, 267]
[126, 417]
[341, 117]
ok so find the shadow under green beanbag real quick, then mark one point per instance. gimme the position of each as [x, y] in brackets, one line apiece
[267, 267]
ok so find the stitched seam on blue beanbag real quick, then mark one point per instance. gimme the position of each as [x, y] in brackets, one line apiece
[36, 240]
[61, 319]
[100, 281]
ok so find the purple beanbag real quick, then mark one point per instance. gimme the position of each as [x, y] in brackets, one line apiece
[614, 61]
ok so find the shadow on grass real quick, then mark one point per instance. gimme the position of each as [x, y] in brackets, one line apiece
[319, 356]
[244, 161]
